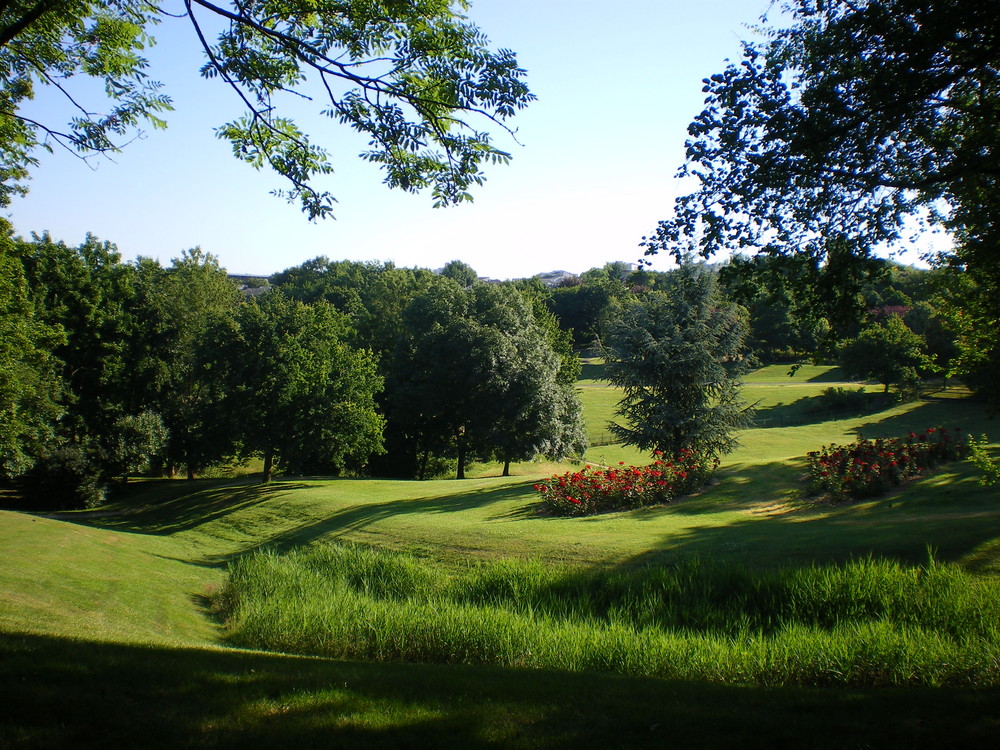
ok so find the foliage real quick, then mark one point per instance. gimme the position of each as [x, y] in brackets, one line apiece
[93, 298]
[134, 440]
[29, 387]
[177, 304]
[854, 116]
[67, 476]
[677, 355]
[461, 273]
[294, 392]
[414, 78]
[474, 376]
[797, 305]
[590, 490]
[977, 454]
[839, 399]
[892, 354]
[872, 467]
[50, 45]
[849, 127]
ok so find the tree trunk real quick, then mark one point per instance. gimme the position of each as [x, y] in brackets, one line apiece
[190, 472]
[268, 465]
[506, 467]
[461, 460]
[422, 465]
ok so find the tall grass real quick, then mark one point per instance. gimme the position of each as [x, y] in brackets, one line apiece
[866, 623]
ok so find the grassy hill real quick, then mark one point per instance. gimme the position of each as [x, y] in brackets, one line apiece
[107, 633]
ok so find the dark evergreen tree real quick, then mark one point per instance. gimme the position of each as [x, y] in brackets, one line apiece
[677, 354]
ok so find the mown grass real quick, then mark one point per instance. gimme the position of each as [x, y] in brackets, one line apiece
[105, 635]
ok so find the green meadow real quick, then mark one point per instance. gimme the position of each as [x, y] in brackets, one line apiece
[381, 613]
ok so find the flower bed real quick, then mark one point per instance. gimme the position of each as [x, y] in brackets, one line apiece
[595, 490]
[872, 467]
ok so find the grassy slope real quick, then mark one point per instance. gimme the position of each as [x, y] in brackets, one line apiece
[115, 602]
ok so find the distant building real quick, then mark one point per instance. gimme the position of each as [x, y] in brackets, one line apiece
[555, 278]
[251, 286]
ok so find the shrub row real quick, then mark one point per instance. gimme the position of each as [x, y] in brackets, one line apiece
[595, 490]
[871, 467]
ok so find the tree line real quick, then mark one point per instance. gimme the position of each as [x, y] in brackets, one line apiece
[336, 367]
[365, 368]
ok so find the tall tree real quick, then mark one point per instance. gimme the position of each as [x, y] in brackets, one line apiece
[890, 353]
[177, 304]
[296, 393]
[91, 295]
[677, 356]
[477, 378]
[30, 390]
[415, 77]
[856, 118]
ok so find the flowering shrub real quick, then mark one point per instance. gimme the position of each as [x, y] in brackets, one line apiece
[871, 467]
[594, 490]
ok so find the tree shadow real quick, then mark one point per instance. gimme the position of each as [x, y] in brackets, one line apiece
[963, 414]
[836, 375]
[344, 521]
[592, 371]
[193, 504]
[947, 512]
[805, 410]
[60, 692]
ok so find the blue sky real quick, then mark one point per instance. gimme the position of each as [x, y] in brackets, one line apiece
[617, 84]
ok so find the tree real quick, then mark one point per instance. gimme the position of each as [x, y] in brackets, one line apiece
[677, 356]
[856, 116]
[176, 305]
[475, 377]
[853, 120]
[414, 77]
[134, 440]
[88, 294]
[30, 390]
[890, 354]
[461, 273]
[295, 393]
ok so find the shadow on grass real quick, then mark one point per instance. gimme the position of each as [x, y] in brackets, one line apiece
[810, 410]
[964, 414]
[834, 375]
[179, 508]
[592, 371]
[66, 693]
[355, 517]
[948, 514]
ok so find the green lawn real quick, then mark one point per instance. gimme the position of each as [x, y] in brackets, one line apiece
[107, 637]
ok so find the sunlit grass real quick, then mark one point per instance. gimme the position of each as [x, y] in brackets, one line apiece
[867, 623]
[79, 591]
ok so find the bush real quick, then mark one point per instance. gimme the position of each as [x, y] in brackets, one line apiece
[981, 459]
[843, 399]
[591, 490]
[872, 467]
[66, 478]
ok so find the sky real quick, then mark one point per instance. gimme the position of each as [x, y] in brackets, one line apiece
[592, 171]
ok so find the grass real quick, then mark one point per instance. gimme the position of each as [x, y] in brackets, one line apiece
[104, 615]
[867, 623]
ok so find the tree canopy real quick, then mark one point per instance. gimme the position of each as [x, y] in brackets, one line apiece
[852, 118]
[415, 77]
[676, 355]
